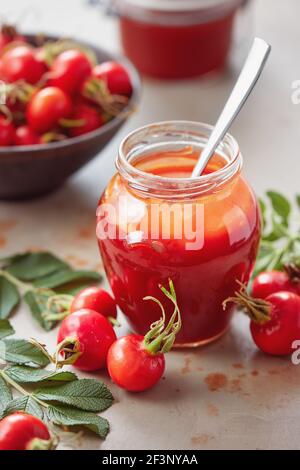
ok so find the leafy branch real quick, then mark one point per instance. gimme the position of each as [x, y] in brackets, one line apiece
[53, 395]
[38, 278]
[280, 241]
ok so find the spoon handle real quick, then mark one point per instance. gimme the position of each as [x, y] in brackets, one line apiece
[249, 75]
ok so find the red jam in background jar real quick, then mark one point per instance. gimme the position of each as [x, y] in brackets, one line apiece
[174, 39]
[203, 232]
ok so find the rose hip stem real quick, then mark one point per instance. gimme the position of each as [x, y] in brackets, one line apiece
[258, 310]
[160, 338]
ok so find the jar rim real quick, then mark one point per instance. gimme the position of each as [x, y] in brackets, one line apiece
[179, 5]
[142, 180]
[180, 12]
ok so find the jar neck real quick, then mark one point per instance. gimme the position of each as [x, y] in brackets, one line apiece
[172, 136]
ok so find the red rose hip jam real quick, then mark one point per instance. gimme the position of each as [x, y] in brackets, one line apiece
[174, 39]
[156, 223]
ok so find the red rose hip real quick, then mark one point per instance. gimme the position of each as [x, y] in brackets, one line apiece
[90, 334]
[69, 70]
[20, 63]
[96, 299]
[115, 76]
[46, 108]
[275, 320]
[267, 283]
[21, 431]
[7, 132]
[24, 135]
[136, 363]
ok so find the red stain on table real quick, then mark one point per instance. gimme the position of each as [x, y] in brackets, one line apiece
[34, 248]
[88, 231]
[235, 385]
[7, 224]
[2, 241]
[212, 410]
[202, 439]
[274, 371]
[98, 266]
[216, 381]
[238, 365]
[186, 368]
[78, 262]
[254, 373]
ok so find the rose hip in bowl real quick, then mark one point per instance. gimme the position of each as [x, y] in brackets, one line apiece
[174, 39]
[156, 223]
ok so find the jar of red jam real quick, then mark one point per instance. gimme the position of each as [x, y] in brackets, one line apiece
[174, 39]
[155, 223]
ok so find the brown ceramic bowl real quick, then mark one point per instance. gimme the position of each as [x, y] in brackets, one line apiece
[35, 170]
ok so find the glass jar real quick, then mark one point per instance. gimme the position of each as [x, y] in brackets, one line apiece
[155, 222]
[174, 39]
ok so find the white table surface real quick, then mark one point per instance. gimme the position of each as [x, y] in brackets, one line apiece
[259, 406]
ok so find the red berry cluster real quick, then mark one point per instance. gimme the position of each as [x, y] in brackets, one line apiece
[56, 91]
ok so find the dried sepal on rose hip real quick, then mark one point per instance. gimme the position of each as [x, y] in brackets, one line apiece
[21, 431]
[85, 118]
[109, 87]
[136, 363]
[89, 335]
[52, 49]
[17, 95]
[9, 36]
[275, 320]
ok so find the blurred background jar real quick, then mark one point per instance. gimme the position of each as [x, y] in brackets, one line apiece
[177, 39]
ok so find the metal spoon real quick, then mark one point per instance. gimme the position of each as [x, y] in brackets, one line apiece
[249, 75]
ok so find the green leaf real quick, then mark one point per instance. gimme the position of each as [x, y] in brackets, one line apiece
[32, 266]
[8, 260]
[280, 204]
[65, 416]
[5, 395]
[72, 288]
[273, 236]
[23, 374]
[85, 394]
[280, 242]
[9, 297]
[20, 351]
[279, 231]
[263, 262]
[263, 210]
[26, 404]
[5, 329]
[66, 276]
[37, 301]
